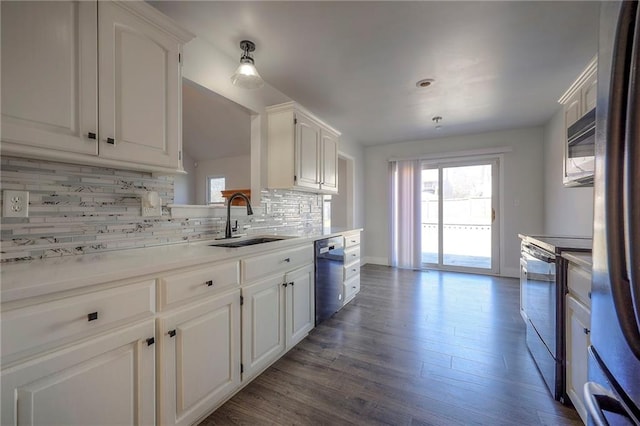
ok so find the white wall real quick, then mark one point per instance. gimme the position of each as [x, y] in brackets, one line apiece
[568, 211]
[356, 152]
[184, 186]
[339, 201]
[234, 169]
[523, 186]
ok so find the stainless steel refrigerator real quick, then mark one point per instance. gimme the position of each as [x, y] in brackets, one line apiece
[613, 391]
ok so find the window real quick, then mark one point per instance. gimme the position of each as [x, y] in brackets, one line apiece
[215, 186]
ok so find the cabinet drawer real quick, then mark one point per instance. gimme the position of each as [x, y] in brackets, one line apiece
[351, 270]
[351, 255]
[280, 261]
[57, 322]
[351, 287]
[351, 240]
[579, 283]
[198, 283]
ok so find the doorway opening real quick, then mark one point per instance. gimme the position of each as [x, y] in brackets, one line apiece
[458, 213]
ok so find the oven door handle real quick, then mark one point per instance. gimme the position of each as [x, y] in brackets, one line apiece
[598, 400]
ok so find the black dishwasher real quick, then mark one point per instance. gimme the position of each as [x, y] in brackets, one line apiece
[329, 258]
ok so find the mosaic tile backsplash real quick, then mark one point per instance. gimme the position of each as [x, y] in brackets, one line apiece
[75, 209]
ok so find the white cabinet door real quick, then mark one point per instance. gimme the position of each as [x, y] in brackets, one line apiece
[200, 362]
[329, 180]
[263, 324]
[300, 305]
[49, 75]
[590, 93]
[578, 341]
[139, 89]
[106, 380]
[307, 151]
[573, 109]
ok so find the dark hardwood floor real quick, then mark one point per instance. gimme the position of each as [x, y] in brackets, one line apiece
[413, 348]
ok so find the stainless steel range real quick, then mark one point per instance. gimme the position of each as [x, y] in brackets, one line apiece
[542, 289]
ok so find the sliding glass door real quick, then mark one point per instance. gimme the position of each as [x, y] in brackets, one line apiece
[459, 226]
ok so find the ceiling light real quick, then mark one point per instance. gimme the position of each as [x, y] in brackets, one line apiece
[246, 76]
[437, 120]
[425, 82]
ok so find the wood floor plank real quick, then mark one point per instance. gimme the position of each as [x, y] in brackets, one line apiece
[413, 348]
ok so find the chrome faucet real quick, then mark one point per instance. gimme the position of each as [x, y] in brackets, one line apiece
[227, 231]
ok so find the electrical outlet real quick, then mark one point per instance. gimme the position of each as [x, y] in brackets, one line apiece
[15, 203]
[151, 204]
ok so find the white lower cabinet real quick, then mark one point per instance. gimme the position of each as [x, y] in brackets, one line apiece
[199, 358]
[105, 355]
[277, 313]
[300, 306]
[108, 380]
[263, 322]
[578, 328]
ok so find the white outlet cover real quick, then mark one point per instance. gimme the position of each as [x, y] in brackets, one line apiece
[15, 203]
[150, 210]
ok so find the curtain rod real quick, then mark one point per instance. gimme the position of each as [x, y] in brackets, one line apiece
[456, 154]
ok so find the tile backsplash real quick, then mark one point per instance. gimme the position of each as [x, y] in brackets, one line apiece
[76, 209]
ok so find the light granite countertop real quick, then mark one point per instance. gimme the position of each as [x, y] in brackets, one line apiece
[33, 278]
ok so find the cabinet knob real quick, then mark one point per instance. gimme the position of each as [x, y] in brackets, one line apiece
[91, 135]
[353, 241]
[171, 333]
[209, 283]
[288, 259]
[111, 141]
[285, 284]
[586, 330]
[291, 283]
[150, 341]
[92, 316]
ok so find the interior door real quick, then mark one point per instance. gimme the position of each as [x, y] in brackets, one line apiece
[459, 215]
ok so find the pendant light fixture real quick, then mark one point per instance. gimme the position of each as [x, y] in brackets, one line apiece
[246, 76]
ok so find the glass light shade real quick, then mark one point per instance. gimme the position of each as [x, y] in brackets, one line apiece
[247, 76]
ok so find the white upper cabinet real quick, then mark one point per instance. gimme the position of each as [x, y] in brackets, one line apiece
[307, 147]
[302, 150]
[92, 83]
[329, 166]
[50, 75]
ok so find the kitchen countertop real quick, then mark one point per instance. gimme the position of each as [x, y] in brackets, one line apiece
[559, 244]
[582, 259]
[39, 277]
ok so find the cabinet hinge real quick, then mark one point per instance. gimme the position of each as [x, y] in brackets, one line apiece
[295, 120]
[180, 155]
[180, 57]
[295, 178]
[241, 300]
[241, 368]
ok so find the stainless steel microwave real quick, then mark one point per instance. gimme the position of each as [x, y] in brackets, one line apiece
[579, 156]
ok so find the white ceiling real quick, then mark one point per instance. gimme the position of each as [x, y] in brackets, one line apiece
[213, 126]
[497, 65]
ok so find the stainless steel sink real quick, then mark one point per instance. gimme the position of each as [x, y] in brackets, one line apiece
[248, 242]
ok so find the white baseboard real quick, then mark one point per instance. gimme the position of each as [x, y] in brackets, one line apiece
[375, 260]
[510, 272]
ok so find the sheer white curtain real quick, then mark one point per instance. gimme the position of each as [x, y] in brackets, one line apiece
[406, 228]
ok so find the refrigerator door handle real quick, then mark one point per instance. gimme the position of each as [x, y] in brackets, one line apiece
[632, 147]
[598, 400]
[615, 214]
